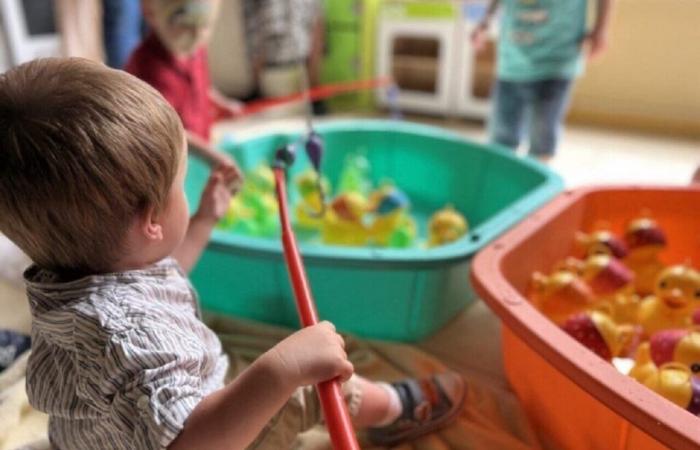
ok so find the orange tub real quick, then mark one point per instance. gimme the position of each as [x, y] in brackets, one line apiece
[575, 399]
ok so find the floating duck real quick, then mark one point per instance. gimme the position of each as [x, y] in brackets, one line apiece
[354, 176]
[387, 200]
[644, 366]
[344, 221]
[445, 226]
[404, 235]
[680, 345]
[676, 383]
[391, 219]
[261, 179]
[599, 333]
[676, 297]
[602, 242]
[611, 283]
[560, 295]
[645, 240]
[309, 211]
[254, 211]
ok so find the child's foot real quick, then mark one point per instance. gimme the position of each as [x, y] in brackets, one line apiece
[427, 405]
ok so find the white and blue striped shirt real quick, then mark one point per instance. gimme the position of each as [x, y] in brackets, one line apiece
[119, 361]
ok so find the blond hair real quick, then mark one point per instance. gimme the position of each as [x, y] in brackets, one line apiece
[83, 150]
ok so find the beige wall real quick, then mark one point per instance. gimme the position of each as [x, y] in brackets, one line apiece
[650, 76]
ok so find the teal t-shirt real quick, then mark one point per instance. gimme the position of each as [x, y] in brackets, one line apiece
[541, 39]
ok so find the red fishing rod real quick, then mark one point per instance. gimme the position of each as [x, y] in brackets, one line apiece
[333, 404]
[316, 93]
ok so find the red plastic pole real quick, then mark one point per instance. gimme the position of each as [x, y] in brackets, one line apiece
[334, 408]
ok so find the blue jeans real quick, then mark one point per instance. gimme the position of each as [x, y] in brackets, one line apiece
[543, 103]
[123, 28]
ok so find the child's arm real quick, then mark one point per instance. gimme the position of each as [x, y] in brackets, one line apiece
[478, 36]
[598, 37]
[205, 150]
[229, 107]
[232, 417]
[213, 205]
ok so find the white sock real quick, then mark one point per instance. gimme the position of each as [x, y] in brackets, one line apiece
[393, 411]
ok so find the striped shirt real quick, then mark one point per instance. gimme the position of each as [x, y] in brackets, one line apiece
[119, 361]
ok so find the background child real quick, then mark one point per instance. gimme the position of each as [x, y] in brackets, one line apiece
[285, 38]
[92, 167]
[173, 59]
[539, 56]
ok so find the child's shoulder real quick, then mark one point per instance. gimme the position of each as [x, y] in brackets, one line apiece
[104, 305]
[148, 56]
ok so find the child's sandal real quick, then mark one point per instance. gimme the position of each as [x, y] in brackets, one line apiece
[427, 405]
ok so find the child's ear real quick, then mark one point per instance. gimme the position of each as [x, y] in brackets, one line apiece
[150, 225]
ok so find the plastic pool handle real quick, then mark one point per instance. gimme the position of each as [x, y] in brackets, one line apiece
[334, 409]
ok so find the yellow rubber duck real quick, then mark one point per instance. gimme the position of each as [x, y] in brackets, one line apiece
[445, 226]
[611, 283]
[309, 210]
[644, 366]
[677, 345]
[392, 222]
[560, 295]
[645, 240]
[676, 383]
[343, 223]
[676, 297]
[598, 332]
[601, 242]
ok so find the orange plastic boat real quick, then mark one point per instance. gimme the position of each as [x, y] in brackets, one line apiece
[575, 399]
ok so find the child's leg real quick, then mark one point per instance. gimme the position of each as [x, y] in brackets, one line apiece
[551, 98]
[409, 408]
[393, 412]
[301, 413]
[369, 404]
[378, 405]
[507, 116]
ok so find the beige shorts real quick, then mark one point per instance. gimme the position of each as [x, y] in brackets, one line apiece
[280, 82]
[302, 412]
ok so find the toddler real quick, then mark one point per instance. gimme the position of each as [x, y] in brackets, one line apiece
[173, 59]
[539, 56]
[92, 166]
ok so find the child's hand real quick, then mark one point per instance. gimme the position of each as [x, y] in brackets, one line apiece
[234, 107]
[217, 193]
[312, 355]
[227, 108]
[479, 36]
[597, 43]
[233, 175]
